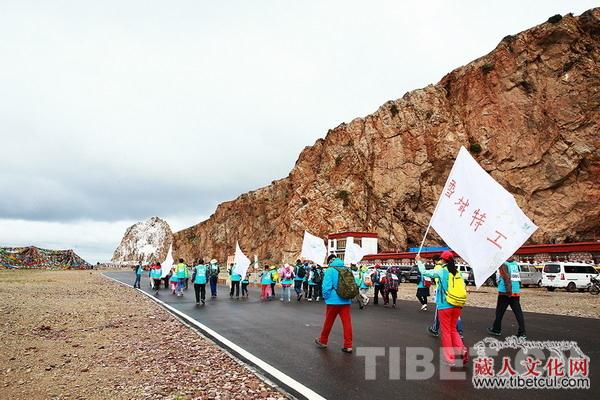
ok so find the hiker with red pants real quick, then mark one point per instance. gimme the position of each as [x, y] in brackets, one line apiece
[339, 289]
[450, 298]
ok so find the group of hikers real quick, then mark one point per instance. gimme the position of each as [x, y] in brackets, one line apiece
[339, 285]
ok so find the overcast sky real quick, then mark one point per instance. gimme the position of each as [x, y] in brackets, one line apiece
[115, 111]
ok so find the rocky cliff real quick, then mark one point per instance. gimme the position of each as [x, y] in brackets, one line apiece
[144, 242]
[529, 111]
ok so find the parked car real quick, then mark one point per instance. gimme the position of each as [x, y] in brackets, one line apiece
[404, 273]
[530, 275]
[413, 276]
[568, 275]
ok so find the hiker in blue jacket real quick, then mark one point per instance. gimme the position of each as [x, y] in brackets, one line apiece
[199, 277]
[138, 275]
[335, 305]
[299, 273]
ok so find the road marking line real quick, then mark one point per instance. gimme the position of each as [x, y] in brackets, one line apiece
[259, 363]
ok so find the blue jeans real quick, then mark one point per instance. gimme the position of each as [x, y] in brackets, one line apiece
[138, 280]
[213, 285]
[436, 323]
[180, 285]
[298, 286]
[287, 289]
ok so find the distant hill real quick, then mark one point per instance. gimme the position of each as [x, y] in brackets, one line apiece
[37, 258]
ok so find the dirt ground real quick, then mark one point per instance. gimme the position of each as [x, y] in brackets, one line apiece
[77, 335]
[538, 300]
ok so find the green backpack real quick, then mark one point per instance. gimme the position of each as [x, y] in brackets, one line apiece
[347, 287]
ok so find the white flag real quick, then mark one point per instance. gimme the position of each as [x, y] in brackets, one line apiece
[313, 249]
[240, 261]
[353, 253]
[479, 219]
[166, 265]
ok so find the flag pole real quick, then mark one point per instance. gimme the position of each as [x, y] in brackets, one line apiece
[429, 225]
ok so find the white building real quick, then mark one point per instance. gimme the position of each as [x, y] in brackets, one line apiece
[336, 242]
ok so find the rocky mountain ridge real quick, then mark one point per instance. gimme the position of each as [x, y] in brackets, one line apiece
[529, 111]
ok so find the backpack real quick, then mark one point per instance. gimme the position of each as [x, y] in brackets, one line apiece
[367, 280]
[456, 294]
[214, 270]
[287, 273]
[391, 281]
[301, 271]
[318, 277]
[275, 275]
[346, 287]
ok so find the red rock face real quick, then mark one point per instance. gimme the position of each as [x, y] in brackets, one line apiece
[529, 111]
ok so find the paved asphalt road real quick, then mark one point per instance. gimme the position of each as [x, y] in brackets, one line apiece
[282, 334]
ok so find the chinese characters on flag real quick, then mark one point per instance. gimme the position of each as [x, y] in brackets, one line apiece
[478, 218]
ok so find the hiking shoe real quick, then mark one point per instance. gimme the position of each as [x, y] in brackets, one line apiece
[432, 332]
[319, 344]
[493, 332]
[449, 364]
[347, 350]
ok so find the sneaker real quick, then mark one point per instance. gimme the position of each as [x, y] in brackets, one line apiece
[493, 332]
[524, 337]
[300, 296]
[289, 300]
[197, 302]
[432, 332]
[281, 299]
[367, 302]
[393, 305]
[424, 307]
[237, 297]
[202, 302]
[360, 306]
[449, 364]
[347, 350]
[309, 299]
[319, 344]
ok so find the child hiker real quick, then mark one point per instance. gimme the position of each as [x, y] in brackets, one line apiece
[245, 283]
[265, 284]
[286, 274]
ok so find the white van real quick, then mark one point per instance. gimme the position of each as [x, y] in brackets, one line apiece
[465, 271]
[569, 275]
